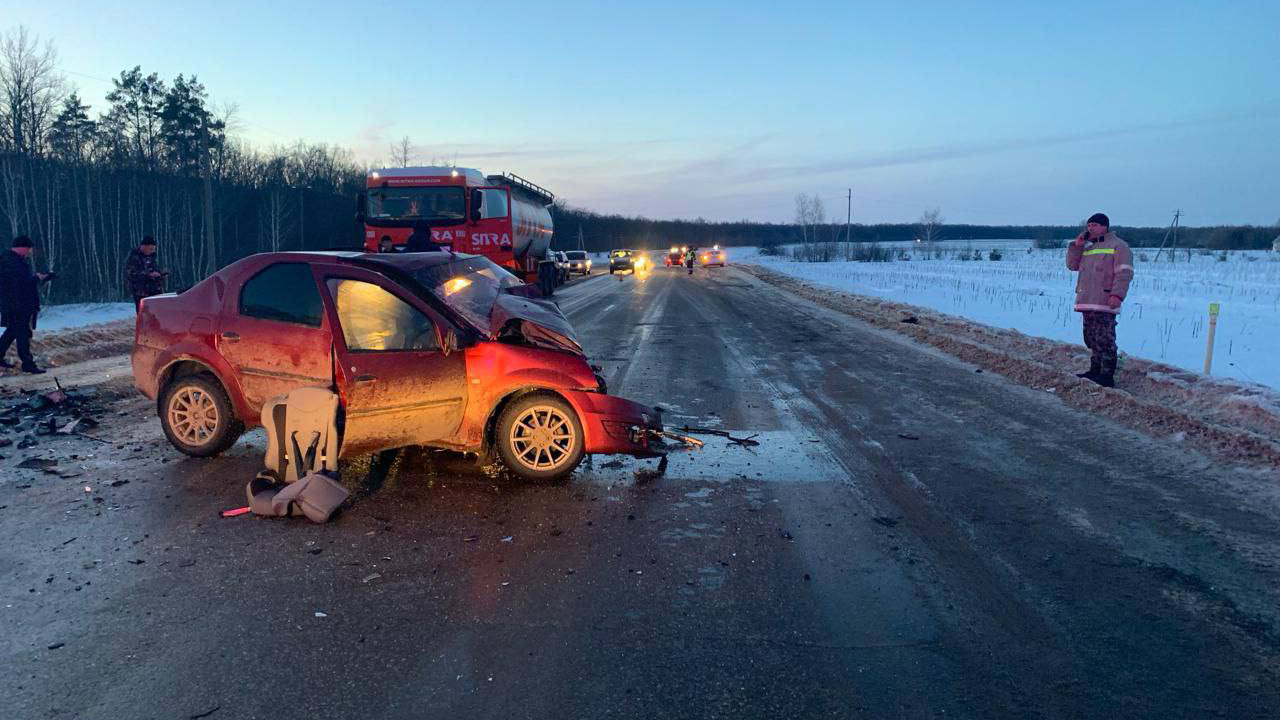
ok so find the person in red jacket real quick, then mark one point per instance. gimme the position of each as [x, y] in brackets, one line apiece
[1105, 267]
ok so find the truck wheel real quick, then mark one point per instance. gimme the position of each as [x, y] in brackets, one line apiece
[539, 438]
[196, 416]
[546, 280]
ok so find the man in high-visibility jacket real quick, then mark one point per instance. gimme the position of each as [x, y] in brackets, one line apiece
[1105, 267]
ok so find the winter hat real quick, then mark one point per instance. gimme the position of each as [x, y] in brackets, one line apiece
[22, 241]
[148, 240]
[1100, 219]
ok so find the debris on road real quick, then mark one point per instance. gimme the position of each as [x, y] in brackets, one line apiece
[908, 436]
[370, 578]
[885, 521]
[56, 412]
[233, 512]
[57, 645]
[749, 441]
[206, 713]
[38, 463]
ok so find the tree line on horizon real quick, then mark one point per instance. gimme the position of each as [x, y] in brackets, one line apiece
[157, 159]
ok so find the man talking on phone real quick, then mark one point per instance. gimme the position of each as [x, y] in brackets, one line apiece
[1105, 267]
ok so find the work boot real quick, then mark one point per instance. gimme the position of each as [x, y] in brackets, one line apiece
[1107, 380]
[1095, 369]
[32, 370]
[5, 363]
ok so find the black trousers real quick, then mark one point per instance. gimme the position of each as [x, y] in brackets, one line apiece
[19, 330]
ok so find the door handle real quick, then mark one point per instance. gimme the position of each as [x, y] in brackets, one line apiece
[361, 379]
[231, 336]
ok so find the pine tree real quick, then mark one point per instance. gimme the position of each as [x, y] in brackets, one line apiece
[132, 125]
[188, 129]
[71, 135]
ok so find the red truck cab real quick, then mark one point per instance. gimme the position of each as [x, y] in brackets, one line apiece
[503, 217]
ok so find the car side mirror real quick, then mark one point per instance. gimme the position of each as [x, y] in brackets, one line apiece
[476, 199]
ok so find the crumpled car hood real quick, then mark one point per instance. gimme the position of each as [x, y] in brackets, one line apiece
[538, 321]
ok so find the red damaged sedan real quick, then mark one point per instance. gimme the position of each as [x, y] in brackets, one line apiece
[435, 349]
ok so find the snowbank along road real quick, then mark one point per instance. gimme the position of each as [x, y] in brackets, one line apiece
[910, 538]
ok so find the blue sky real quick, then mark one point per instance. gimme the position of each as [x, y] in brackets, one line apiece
[993, 112]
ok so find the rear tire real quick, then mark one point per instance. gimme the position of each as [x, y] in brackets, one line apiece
[197, 417]
[539, 438]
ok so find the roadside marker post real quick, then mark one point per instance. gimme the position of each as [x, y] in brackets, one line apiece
[1213, 327]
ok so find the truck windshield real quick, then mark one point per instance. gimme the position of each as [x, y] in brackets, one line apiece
[416, 203]
[469, 286]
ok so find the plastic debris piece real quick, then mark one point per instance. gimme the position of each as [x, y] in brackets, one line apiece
[370, 578]
[908, 436]
[37, 463]
[320, 614]
[233, 512]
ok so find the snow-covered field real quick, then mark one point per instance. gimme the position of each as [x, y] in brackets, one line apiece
[77, 315]
[1031, 291]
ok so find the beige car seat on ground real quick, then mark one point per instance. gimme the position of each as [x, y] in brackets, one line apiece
[302, 451]
[302, 433]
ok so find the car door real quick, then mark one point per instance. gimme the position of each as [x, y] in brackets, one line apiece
[274, 333]
[399, 387]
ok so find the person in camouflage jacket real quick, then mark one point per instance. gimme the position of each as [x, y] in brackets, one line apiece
[141, 273]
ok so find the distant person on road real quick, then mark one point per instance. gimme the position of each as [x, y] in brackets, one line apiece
[19, 302]
[1105, 267]
[420, 240]
[141, 273]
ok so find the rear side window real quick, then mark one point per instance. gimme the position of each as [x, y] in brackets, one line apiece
[285, 292]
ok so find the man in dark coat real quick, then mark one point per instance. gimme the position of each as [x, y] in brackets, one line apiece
[141, 273]
[19, 302]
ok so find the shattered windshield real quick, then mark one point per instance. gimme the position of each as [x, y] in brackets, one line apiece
[416, 203]
[468, 286]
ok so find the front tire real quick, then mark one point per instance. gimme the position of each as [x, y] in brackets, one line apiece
[539, 438]
[197, 417]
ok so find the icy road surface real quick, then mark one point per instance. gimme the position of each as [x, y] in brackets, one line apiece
[911, 539]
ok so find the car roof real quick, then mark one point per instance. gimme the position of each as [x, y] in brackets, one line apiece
[407, 262]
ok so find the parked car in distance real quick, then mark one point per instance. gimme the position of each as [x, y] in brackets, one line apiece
[714, 256]
[620, 260]
[675, 257]
[579, 262]
[433, 349]
[562, 266]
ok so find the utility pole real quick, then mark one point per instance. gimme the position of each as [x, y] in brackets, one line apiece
[581, 242]
[1173, 230]
[848, 217]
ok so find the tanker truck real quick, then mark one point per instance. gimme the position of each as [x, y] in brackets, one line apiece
[503, 217]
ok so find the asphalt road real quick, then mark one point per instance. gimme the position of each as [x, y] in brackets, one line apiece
[910, 539]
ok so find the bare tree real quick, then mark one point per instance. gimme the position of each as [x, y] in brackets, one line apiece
[402, 152]
[30, 90]
[931, 226]
[810, 212]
